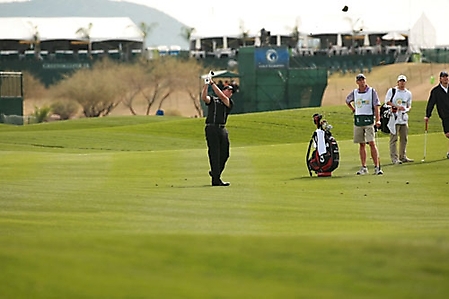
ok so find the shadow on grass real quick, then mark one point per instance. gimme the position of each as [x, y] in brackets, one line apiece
[314, 176]
[199, 186]
[416, 162]
[383, 166]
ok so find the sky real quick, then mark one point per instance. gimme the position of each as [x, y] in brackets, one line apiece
[216, 18]
[208, 17]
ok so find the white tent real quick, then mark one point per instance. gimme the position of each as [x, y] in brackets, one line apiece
[422, 34]
[15, 29]
[366, 41]
[393, 36]
[339, 40]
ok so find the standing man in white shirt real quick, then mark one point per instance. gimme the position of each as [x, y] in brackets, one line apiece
[401, 103]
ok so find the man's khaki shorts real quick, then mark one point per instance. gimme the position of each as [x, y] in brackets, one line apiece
[363, 134]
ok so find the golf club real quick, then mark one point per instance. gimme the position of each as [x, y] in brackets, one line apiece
[209, 77]
[425, 141]
[377, 144]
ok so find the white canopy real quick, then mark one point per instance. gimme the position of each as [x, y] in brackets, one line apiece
[423, 34]
[393, 36]
[70, 28]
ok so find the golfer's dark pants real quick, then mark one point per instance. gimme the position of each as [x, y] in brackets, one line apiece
[218, 149]
[445, 122]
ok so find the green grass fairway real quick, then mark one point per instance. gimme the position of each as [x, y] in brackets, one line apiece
[122, 207]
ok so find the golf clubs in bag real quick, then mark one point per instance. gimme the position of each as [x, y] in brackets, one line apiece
[325, 157]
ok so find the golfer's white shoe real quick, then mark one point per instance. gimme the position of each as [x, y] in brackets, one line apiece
[378, 171]
[363, 170]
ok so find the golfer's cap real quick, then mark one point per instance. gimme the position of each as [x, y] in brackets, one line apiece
[228, 87]
[443, 74]
[360, 76]
[402, 77]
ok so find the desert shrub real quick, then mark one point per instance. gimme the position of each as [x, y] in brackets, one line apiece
[66, 109]
[41, 114]
[188, 82]
[32, 87]
[98, 90]
[172, 112]
[171, 74]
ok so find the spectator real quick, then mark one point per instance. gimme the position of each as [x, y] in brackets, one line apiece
[235, 86]
[220, 84]
[439, 96]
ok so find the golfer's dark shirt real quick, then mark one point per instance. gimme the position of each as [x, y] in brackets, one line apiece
[439, 97]
[218, 112]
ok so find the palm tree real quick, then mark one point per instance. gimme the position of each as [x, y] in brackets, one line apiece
[85, 34]
[243, 33]
[295, 35]
[146, 30]
[186, 33]
[35, 42]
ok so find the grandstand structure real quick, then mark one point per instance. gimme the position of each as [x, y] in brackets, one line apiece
[65, 43]
[68, 38]
[310, 53]
[52, 47]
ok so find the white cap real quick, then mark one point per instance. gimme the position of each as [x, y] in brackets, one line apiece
[402, 77]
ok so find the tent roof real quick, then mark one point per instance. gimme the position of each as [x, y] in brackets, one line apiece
[423, 34]
[68, 28]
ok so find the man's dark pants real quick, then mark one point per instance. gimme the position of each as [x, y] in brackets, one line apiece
[218, 149]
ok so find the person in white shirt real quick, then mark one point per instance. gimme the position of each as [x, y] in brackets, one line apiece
[401, 103]
[364, 104]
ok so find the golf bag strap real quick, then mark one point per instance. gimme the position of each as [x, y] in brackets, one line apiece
[308, 153]
[393, 91]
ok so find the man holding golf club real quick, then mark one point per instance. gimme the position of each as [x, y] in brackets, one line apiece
[401, 103]
[364, 104]
[219, 107]
[439, 96]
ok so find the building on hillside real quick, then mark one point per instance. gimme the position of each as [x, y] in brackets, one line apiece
[228, 46]
[332, 43]
[324, 36]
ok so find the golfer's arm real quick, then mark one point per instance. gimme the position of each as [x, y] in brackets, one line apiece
[221, 95]
[204, 95]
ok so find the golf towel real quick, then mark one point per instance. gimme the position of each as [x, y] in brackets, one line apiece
[392, 124]
[321, 146]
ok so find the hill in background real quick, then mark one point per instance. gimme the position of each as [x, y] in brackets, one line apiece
[384, 77]
[167, 30]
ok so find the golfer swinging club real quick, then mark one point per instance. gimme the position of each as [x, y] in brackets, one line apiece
[217, 138]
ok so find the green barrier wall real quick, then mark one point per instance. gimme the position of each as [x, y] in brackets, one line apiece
[436, 55]
[266, 89]
[11, 96]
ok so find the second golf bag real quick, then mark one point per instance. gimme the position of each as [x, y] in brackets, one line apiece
[325, 156]
[386, 112]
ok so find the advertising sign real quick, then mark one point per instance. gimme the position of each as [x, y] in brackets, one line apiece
[271, 58]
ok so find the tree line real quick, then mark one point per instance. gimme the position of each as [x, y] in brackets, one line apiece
[98, 90]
